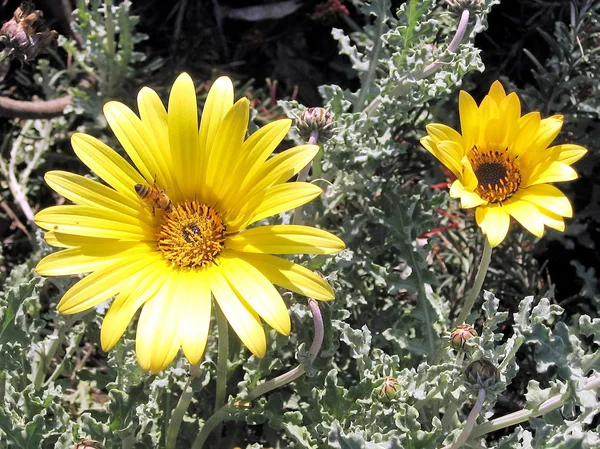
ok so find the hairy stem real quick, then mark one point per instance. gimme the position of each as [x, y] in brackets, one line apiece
[461, 30]
[458, 37]
[223, 358]
[593, 383]
[373, 61]
[470, 423]
[225, 411]
[179, 412]
[479, 278]
[303, 176]
[47, 350]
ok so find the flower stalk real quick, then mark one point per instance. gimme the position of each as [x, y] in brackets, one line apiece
[486, 257]
[470, 423]
[511, 419]
[226, 410]
[303, 176]
[179, 412]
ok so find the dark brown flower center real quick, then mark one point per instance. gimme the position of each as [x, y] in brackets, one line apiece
[497, 174]
[191, 235]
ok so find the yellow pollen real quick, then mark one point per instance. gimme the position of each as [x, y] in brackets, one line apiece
[497, 174]
[191, 235]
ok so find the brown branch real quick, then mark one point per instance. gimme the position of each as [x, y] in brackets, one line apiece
[10, 108]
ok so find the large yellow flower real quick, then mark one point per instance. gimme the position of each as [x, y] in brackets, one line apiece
[171, 256]
[503, 164]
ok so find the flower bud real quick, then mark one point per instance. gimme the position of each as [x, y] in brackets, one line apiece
[460, 334]
[456, 7]
[26, 35]
[389, 389]
[316, 121]
[481, 374]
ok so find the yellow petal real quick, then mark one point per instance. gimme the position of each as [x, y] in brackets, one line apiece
[281, 167]
[469, 118]
[137, 143]
[469, 179]
[547, 197]
[93, 222]
[495, 132]
[261, 144]
[440, 132]
[537, 151]
[276, 170]
[469, 200]
[225, 155]
[218, 102]
[552, 220]
[527, 214]
[90, 258]
[70, 241]
[283, 197]
[260, 294]
[569, 153]
[528, 128]
[497, 92]
[156, 340]
[195, 309]
[553, 172]
[183, 134]
[128, 302]
[86, 192]
[488, 110]
[102, 284]
[449, 153]
[494, 222]
[107, 164]
[290, 276]
[154, 116]
[456, 189]
[285, 239]
[241, 317]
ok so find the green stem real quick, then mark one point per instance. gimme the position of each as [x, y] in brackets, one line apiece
[479, 278]
[110, 49]
[470, 423]
[61, 366]
[302, 177]
[422, 300]
[520, 416]
[48, 350]
[222, 367]
[223, 355]
[179, 412]
[225, 411]
[450, 413]
[373, 62]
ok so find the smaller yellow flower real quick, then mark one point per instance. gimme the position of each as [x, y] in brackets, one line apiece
[503, 164]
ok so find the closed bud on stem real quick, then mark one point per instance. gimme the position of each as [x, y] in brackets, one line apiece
[481, 374]
[316, 122]
[26, 34]
[460, 334]
[389, 389]
[456, 7]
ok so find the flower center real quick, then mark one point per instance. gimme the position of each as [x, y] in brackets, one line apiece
[497, 174]
[191, 235]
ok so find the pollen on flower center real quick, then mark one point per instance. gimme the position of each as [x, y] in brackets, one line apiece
[497, 174]
[191, 235]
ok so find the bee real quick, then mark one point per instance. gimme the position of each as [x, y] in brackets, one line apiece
[89, 444]
[154, 197]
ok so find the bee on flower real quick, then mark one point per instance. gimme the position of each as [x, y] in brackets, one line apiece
[504, 165]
